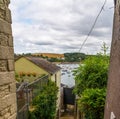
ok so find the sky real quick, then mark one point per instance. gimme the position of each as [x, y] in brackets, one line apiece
[60, 26]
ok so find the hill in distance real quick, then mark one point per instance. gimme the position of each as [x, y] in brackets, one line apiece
[49, 55]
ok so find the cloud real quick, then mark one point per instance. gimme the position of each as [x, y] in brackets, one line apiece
[60, 25]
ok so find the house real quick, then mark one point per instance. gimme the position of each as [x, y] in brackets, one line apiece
[39, 66]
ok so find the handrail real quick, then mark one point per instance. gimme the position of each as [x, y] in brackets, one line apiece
[38, 80]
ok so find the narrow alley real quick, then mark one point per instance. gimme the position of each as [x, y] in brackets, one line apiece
[69, 113]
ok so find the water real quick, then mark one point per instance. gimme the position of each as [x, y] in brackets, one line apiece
[67, 77]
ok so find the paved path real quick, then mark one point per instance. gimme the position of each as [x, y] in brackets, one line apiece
[66, 117]
[69, 113]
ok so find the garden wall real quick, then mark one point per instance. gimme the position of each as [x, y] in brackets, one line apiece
[7, 80]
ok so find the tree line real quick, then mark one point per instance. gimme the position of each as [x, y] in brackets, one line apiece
[68, 57]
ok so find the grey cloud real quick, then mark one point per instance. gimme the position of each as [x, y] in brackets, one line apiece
[43, 43]
[82, 27]
[92, 44]
[61, 24]
[70, 47]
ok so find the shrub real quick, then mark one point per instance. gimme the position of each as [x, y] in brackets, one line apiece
[31, 115]
[91, 81]
[92, 102]
[93, 74]
[21, 74]
[34, 74]
[45, 103]
[29, 74]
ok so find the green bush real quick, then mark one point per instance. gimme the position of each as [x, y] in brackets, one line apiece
[91, 81]
[31, 115]
[45, 103]
[92, 102]
[92, 74]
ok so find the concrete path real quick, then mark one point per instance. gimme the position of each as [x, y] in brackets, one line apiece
[66, 117]
[69, 113]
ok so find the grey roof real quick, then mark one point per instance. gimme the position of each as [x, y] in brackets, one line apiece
[44, 64]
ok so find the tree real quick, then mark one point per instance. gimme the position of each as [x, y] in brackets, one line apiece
[92, 74]
[45, 103]
[104, 48]
[74, 57]
[91, 80]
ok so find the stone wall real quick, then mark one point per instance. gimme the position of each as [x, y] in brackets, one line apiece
[112, 108]
[7, 80]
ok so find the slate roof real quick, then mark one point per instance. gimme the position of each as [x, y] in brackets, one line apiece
[44, 64]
